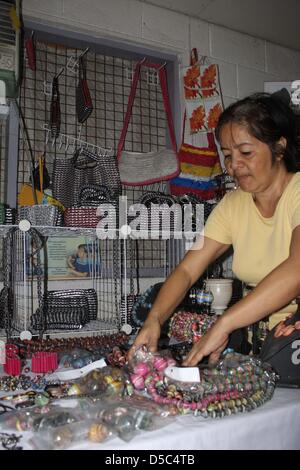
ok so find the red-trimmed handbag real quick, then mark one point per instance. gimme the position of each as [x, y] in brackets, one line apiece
[137, 168]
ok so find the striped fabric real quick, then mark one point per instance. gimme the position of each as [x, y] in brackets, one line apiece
[198, 168]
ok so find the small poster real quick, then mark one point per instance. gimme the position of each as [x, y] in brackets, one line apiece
[70, 258]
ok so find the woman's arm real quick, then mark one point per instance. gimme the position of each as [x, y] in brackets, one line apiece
[174, 289]
[274, 292]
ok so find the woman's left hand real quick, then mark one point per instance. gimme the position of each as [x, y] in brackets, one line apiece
[211, 344]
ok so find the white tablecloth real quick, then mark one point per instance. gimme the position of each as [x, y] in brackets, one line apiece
[275, 425]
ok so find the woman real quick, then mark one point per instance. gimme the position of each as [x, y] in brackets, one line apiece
[261, 220]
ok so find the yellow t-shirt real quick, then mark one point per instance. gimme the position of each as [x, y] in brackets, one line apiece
[260, 244]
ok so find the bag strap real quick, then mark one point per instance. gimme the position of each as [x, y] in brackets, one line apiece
[90, 159]
[41, 171]
[163, 83]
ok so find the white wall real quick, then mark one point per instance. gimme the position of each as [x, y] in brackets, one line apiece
[245, 62]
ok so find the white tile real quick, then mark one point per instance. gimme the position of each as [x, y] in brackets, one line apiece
[283, 62]
[199, 36]
[165, 27]
[54, 7]
[228, 100]
[228, 77]
[237, 48]
[184, 57]
[251, 81]
[119, 16]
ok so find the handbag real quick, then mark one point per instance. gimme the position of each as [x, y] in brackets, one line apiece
[85, 212]
[129, 300]
[55, 115]
[61, 310]
[283, 352]
[41, 214]
[84, 105]
[84, 168]
[199, 167]
[155, 220]
[136, 168]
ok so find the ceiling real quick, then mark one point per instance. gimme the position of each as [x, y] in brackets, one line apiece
[274, 20]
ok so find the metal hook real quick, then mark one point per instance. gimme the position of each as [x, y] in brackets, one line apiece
[83, 53]
[162, 66]
[60, 72]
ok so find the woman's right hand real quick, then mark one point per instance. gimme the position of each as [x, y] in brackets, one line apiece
[148, 336]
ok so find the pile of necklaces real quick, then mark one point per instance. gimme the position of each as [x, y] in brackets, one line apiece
[238, 383]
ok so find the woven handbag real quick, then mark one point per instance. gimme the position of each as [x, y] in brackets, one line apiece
[84, 105]
[67, 310]
[138, 169]
[41, 214]
[83, 169]
[90, 294]
[85, 212]
[199, 167]
[55, 115]
[155, 220]
[128, 300]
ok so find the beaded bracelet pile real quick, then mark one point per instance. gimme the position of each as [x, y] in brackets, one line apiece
[237, 384]
[189, 326]
[105, 342]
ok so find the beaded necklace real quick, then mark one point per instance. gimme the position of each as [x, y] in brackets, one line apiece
[237, 384]
[190, 326]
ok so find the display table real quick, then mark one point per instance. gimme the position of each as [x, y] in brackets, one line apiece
[275, 425]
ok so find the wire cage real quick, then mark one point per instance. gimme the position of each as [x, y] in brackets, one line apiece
[70, 298]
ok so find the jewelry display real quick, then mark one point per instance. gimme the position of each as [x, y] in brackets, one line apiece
[101, 342]
[189, 326]
[10, 441]
[237, 384]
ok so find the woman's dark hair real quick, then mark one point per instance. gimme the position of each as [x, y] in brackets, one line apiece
[268, 118]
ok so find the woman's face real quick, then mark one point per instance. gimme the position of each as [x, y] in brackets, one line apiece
[247, 159]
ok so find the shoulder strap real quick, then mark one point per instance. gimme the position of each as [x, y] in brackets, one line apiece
[164, 88]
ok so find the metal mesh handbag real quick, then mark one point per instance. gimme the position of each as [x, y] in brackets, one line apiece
[41, 214]
[155, 220]
[84, 169]
[84, 213]
[84, 105]
[67, 310]
[90, 294]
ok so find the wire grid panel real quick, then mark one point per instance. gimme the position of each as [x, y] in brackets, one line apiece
[109, 88]
[28, 287]
[143, 269]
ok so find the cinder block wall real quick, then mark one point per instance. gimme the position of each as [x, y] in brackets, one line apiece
[245, 62]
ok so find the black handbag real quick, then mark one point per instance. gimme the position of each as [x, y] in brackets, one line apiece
[84, 105]
[283, 353]
[84, 169]
[55, 115]
[67, 309]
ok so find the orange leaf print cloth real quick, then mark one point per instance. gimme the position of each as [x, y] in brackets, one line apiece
[197, 120]
[213, 116]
